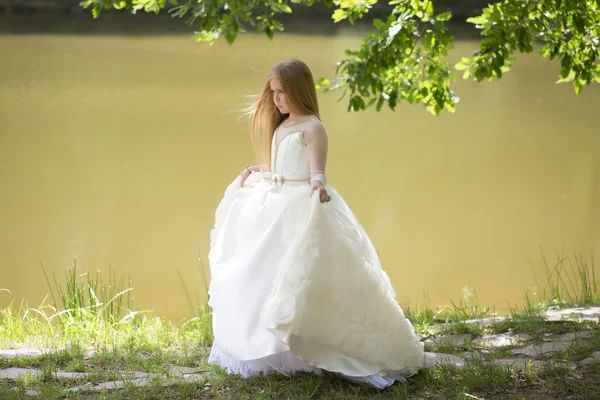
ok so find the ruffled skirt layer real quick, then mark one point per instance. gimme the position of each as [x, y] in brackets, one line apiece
[296, 285]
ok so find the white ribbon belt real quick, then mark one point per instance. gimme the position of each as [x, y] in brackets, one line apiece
[279, 180]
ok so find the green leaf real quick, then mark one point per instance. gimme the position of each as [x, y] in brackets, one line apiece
[429, 8]
[230, 36]
[445, 16]
[428, 41]
[464, 63]
[380, 25]
[578, 86]
[86, 3]
[566, 64]
[339, 15]
[359, 103]
[479, 20]
[269, 31]
[205, 36]
[322, 83]
[96, 11]
[380, 102]
[393, 99]
[119, 5]
[579, 24]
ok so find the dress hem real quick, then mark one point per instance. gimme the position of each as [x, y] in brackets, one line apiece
[285, 363]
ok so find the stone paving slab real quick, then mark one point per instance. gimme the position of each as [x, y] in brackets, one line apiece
[471, 322]
[195, 378]
[432, 359]
[15, 373]
[138, 378]
[70, 375]
[453, 340]
[519, 363]
[485, 321]
[180, 371]
[593, 358]
[541, 349]
[578, 313]
[138, 375]
[24, 352]
[111, 385]
[572, 336]
[472, 355]
[501, 340]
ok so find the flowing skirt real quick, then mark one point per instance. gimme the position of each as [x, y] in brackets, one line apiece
[297, 285]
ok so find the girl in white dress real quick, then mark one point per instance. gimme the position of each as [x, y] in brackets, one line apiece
[296, 284]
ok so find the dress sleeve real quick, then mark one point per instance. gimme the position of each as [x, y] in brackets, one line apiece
[315, 137]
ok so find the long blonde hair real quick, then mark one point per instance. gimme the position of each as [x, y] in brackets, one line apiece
[265, 117]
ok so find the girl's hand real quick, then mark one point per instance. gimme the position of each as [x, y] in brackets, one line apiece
[246, 173]
[323, 196]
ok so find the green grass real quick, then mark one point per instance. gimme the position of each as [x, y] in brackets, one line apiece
[480, 381]
[87, 314]
[454, 315]
[581, 348]
[90, 298]
[570, 281]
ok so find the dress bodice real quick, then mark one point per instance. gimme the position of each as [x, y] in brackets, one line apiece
[289, 155]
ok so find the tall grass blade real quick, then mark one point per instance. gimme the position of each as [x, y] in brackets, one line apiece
[48, 282]
[187, 296]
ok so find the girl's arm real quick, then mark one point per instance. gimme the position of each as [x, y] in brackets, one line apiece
[315, 137]
[246, 173]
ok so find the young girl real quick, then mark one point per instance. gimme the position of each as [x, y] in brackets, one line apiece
[296, 284]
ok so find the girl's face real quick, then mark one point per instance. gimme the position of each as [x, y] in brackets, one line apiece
[279, 97]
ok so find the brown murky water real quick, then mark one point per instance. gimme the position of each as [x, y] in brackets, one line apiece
[116, 150]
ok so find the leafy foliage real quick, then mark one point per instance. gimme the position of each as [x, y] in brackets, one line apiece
[405, 57]
[214, 17]
[566, 29]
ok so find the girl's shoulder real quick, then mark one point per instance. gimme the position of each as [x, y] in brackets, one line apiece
[314, 130]
[315, 125]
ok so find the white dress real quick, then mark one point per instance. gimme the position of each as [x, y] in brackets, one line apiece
[296, 285]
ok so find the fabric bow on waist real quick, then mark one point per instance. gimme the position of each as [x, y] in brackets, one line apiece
[279, 180]
[276, 179]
